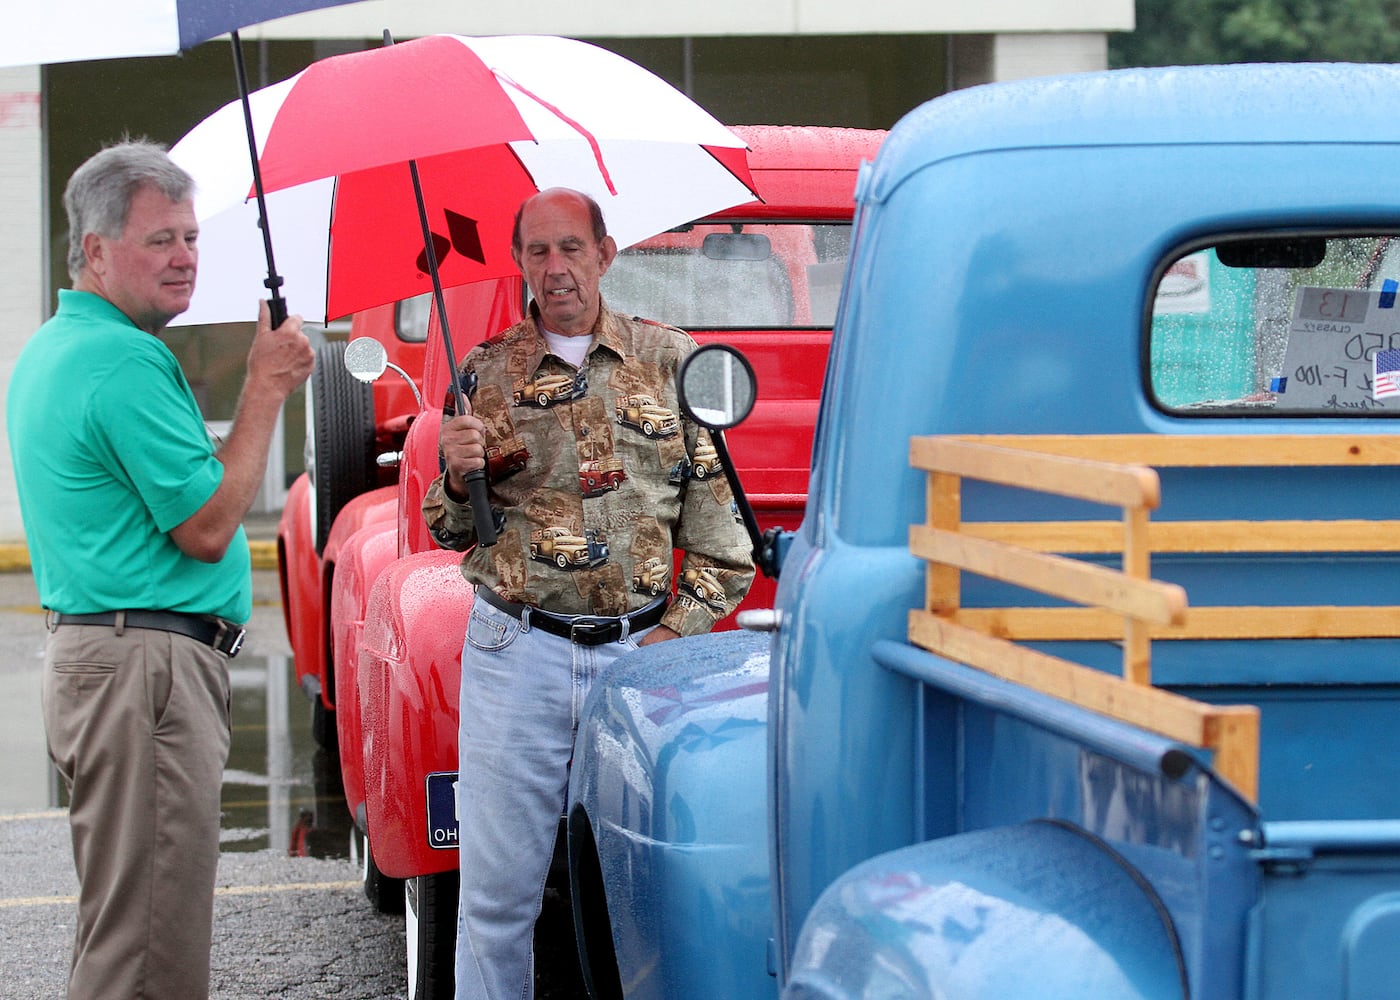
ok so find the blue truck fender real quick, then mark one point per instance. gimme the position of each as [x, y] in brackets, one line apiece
[667, 822]
[1038, 910]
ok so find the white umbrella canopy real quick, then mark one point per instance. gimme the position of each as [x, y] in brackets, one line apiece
[57, 31]
[487, 121]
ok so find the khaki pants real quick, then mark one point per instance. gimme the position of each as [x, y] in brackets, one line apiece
[138, 726]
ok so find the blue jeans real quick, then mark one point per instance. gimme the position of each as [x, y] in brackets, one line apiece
[522, 693]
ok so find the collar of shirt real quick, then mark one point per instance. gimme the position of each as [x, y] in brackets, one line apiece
[90, 305]
[605, 333]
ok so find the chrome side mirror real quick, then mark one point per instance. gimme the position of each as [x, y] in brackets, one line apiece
[717, 390]
[366, 359]
[717, 387]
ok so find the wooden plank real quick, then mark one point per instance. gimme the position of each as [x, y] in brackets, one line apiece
[1196, 536]
[1173, 716]
[1232, 731]
[1217, 622]
[943, 583]
[1099, 482]
[1137, 641]
[1208, 450]
[1058, 576]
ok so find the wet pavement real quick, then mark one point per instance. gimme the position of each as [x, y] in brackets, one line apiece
[291, 919]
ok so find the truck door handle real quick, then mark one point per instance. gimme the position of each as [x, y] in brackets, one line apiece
[759, 620]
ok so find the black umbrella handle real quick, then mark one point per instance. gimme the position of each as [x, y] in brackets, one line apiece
[482, 515]
[276, 304]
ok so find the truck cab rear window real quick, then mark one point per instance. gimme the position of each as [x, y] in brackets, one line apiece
[1290, 325]
[733, 275]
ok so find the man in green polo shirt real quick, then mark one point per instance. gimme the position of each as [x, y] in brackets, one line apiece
[134, 527]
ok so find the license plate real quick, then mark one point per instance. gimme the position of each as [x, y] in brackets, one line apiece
[442, 810]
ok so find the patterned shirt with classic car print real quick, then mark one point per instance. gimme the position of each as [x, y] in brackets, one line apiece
[566, 545]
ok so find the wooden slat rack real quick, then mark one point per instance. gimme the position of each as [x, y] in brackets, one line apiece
[1125, 605]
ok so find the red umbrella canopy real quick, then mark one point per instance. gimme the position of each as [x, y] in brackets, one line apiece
[487, 121]
[471, 242]
[367, 109]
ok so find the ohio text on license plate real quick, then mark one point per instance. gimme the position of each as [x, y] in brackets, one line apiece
[442, 810]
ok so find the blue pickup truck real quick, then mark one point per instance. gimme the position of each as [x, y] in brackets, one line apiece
[1083, 674]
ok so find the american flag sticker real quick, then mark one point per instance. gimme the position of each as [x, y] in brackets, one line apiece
[1387, 374]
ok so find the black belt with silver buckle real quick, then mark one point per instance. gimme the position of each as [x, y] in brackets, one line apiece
[586, 630]
[224, 636]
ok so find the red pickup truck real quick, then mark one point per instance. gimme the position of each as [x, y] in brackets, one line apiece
[376, 613]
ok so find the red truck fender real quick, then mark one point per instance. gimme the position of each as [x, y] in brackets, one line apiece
[409, 710]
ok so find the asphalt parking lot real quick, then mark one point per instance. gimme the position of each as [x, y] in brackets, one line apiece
[283, 927]
[290, 927]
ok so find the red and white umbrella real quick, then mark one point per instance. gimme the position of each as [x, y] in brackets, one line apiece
[487, 121]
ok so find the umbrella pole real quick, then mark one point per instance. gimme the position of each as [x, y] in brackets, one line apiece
[482, 515]
[276, 303]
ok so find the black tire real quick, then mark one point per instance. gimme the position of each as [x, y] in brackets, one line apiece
[430, 935]
[597, 971]
[385, 894]
[340, 453]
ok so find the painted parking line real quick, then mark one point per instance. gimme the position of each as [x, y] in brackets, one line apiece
[270, 890]
[231, 890]
[39, 814]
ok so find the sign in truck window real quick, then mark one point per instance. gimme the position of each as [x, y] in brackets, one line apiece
[1291, 325]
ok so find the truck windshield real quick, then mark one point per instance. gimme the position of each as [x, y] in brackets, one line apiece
[1294, 324]
[734, 275]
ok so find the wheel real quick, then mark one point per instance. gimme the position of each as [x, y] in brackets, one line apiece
[430, 935]
[340, 458]
[542, 399]
[385, 894]
[655, 588]
[648, 428]
[561, 560]
[700, 471]
[588, 903]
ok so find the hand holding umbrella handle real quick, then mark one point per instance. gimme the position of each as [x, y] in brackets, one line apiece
[482, 515]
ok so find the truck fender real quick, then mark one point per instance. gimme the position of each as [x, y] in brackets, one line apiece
[1040, 910]
[667, 830]
[409, 677]
[363, 556]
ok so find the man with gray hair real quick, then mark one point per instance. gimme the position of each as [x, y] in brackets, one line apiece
[134, 527]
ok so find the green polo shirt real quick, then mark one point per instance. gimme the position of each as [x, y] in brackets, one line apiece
[110, 453]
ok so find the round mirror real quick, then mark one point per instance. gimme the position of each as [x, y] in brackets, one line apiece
[717, 387]
[365, 358]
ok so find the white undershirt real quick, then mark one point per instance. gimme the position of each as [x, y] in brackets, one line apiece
[571, 349]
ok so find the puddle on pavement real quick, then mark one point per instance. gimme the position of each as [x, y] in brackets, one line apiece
[281, 789]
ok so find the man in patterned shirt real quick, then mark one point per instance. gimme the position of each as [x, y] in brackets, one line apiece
[577, 421]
